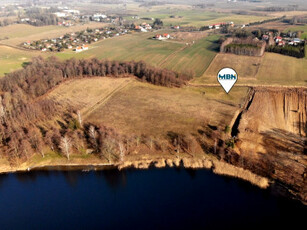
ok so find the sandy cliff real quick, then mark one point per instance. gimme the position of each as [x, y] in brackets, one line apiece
[271, 137]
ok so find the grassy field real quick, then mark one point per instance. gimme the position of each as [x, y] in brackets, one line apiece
[195, 58]
[271, 69]
[12, 59]
[141, 108]
[19, 33]
[166, 54]
[197, 18]
[299, 28]
[138, 46]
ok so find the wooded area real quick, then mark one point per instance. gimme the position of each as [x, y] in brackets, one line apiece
[243, 46]
[23, 110]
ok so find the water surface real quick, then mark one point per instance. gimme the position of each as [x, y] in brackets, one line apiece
[141, 199]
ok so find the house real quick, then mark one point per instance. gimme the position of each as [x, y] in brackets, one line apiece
[158, 36]
[166, 36]
[281, 43]
[60, 14]
[162, 37]
[98, 17]
[84, 47]
[217, 25]
[44, 49]
[139, 28]
[296, 41]
[278, 39]
[78, 49]
[147, 27]
[73, 12]
[265, 37]
[25, 19]
[177, 27]
[69, 47]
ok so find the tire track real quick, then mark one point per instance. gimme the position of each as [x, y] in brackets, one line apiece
[88, 111]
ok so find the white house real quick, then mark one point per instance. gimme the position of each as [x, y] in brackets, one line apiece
[60, 14]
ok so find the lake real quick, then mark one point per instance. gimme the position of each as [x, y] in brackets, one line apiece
[169, 198]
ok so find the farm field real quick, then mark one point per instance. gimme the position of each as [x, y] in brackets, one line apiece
[194, 59]
[197, 18]
[84, 94]
[165, 54]
[271, 69]
[141, 108]
[137, 46]
[12, 59]
[19, 33]
[176, 56]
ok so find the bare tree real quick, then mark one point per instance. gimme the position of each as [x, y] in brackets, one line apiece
[2, 111]
[65, 146]
[122, 151]
[109, 147]
[151, 142]
[93, 137]
[79, 117]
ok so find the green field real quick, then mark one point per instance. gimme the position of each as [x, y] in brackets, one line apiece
[165, 54]
[299, 28]
[137, 46]
[12, 59]
[169, 54]
[195, 58]
[271, 69]
[196, 18]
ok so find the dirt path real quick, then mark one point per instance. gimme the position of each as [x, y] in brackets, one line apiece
[250, 85]
[103, 100]
[19, 48]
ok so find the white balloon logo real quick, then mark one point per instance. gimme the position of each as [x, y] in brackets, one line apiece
[227, 77]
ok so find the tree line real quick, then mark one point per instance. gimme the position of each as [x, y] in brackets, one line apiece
[243, 46]
[24, 110]
[289, 50]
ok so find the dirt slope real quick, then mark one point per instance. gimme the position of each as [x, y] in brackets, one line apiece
[272, 137]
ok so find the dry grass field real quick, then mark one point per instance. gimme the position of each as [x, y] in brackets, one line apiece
[133, 107]
[84, 94]
[271, 69]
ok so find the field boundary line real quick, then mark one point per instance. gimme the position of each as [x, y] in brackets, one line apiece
[106, 98]
[171, 55]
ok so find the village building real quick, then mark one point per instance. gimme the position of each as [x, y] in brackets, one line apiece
[162, 36]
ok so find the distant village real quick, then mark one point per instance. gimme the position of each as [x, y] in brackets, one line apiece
[77, 41]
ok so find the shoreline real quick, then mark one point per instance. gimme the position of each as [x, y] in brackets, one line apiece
[216, 166]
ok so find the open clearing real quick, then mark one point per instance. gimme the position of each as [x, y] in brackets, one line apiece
[141, 108]
[84, 94]
[12, 59]
[271, 69]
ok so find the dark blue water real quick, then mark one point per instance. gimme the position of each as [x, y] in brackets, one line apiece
[141, 199]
